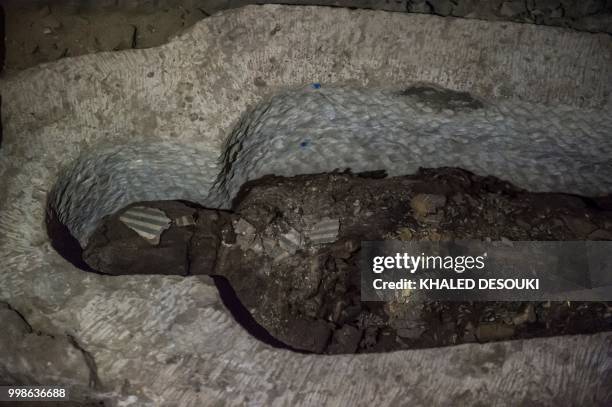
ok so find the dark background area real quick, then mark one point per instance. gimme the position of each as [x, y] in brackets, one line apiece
[39, 31]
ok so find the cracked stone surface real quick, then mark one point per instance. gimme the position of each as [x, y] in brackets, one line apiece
[169, 340]
[31, 356]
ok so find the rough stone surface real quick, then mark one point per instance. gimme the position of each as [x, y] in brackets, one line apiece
[37, 32]
[169, 340]
[30, 356]
[319, 130]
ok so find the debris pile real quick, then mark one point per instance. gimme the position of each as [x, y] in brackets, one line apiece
[289, 248]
